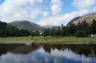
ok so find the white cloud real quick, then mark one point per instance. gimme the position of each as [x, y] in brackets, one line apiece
[15, 10]
[83, 12]
[56, 7]
[45, 14]
[84, 7]
[57, 20]
[12, 10]
[84, 4]
[63, 19]
[13, 58]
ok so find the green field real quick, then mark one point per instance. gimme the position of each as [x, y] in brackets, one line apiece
[40, 39]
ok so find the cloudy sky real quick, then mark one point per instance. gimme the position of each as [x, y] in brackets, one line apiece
[45, 12]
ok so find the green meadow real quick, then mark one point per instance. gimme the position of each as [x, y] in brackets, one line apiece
[41, 39]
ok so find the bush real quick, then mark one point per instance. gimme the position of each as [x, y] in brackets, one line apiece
[81, 34]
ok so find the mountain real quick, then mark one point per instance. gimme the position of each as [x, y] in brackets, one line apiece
[88, 18]
[27, 25]
[49, 26]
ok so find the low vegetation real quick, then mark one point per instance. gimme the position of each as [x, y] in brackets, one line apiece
[49, 39]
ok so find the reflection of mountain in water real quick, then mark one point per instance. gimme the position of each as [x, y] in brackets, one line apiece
[60, 54]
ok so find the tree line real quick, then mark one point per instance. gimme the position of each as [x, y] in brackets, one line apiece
[82, 29]
[7, 30]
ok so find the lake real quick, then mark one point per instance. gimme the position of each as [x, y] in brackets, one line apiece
[48, 53]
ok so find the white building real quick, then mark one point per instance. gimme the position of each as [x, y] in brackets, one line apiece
[92, 36]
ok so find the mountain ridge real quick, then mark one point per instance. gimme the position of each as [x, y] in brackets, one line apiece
[88, 18]
[26, 25]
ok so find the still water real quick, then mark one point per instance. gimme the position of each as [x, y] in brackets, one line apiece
[68, 53]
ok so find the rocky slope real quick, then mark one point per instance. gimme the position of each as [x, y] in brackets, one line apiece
[88, 18]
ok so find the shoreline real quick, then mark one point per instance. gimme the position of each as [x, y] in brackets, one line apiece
[48, 40]
[45, 43]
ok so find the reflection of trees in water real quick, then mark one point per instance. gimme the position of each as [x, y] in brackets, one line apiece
[2, 51]
[88, 50]
[52, 53]
[15, 48]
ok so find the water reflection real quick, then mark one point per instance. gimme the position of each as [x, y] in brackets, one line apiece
[39, 55]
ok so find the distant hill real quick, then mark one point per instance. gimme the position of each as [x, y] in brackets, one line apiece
[27, 25]
[88, 18]
[49, 26]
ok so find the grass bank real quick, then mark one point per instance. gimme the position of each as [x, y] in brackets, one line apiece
[41, 39]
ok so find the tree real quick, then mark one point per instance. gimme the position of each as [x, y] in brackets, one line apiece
[83, 28]
[11, 31]
[81, 33]
[93, 27]
[64, 31]
[57, 31]
[71, 29]
[46, 32]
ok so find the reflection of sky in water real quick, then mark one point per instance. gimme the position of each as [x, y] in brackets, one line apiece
[40, 56]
